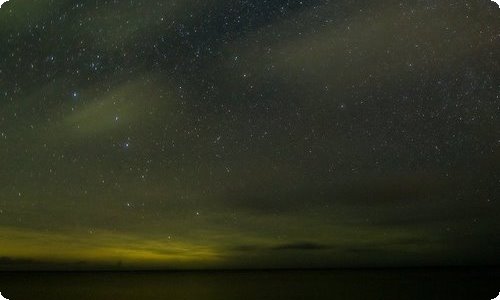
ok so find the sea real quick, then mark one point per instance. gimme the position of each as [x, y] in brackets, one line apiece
[382, 284]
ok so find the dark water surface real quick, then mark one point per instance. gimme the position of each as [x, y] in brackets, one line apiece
[345, 284]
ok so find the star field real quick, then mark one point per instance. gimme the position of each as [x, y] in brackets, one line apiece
[248, 134]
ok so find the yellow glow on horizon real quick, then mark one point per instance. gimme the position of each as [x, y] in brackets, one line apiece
[103, 247]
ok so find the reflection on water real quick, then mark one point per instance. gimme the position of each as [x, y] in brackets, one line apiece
[345, 285]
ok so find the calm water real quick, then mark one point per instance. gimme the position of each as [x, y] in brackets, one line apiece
[346, 285]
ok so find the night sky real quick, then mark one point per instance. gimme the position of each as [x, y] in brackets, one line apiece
[249, 134]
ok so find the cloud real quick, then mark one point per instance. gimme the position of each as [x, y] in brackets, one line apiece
[301, 246]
